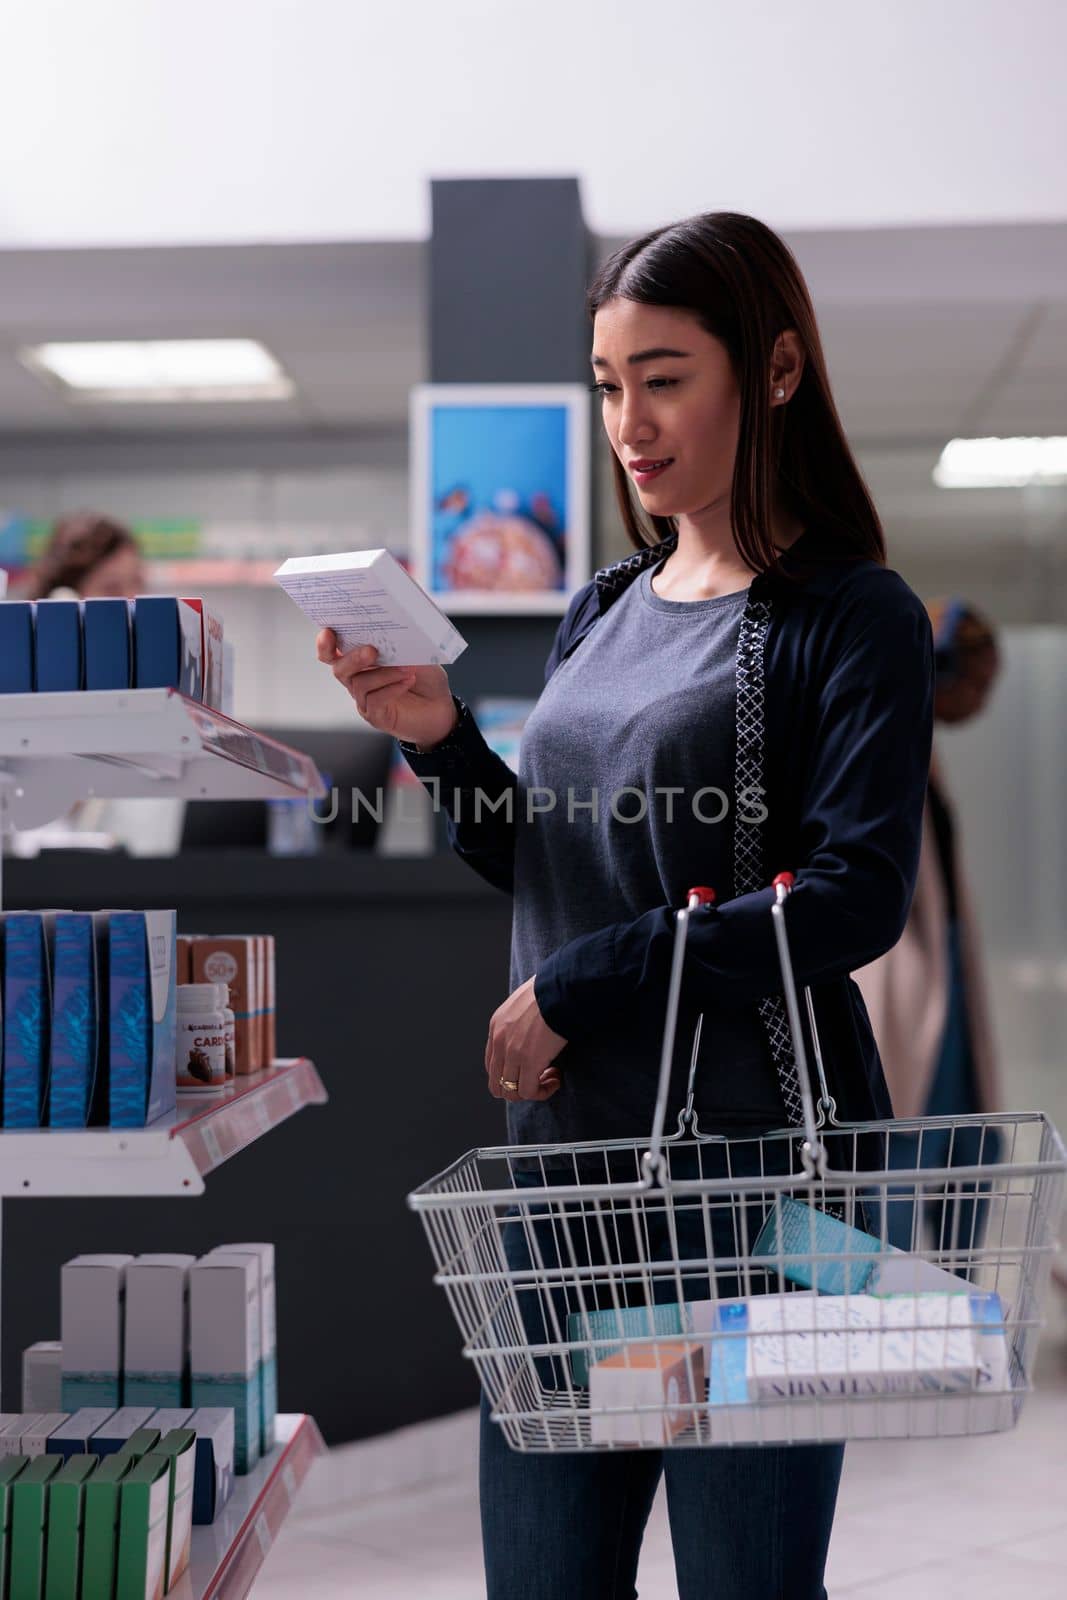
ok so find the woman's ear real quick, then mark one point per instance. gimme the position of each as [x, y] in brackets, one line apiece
[787, 365]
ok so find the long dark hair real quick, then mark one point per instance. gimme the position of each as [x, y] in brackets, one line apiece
[79, 543]
[744, 286]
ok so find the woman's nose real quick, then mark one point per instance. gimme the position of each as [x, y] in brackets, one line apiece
[635, 426]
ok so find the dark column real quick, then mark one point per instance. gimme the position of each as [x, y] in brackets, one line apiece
[508, 274]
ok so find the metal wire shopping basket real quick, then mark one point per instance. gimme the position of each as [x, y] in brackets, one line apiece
[877, 1279]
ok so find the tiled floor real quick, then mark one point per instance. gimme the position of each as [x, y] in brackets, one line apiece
[933, 1520]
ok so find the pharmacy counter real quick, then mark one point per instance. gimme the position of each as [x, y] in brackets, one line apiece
[388, 972]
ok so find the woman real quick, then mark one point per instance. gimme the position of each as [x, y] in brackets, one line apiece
[762, 683]
[927, 996]
[88, 556]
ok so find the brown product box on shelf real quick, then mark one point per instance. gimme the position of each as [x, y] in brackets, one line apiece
[261, 1000]
[183, 959]
[272, 1032]
[230, 959]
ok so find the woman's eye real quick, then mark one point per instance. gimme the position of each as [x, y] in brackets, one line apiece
[655, 384]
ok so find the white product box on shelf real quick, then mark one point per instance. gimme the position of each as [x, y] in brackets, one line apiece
[268, 1337]
[11, 1423]
[157, 1330]
[366, 597]
[42, 1376]
[36, 1432]
[92, 1305]
[224, 1322]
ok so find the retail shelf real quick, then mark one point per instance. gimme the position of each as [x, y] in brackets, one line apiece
[227, 1555]
[129, 744]
[171, 1156]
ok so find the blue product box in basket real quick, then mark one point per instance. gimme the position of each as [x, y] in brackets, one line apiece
[106, 626]
[141, 1022]
[609, 1328]
[77, 1091]
[16, 647]
[796, 1237]
[58, 648]
[27, 1006]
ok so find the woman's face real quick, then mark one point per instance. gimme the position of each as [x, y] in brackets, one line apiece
[120, 575]
[669, 394]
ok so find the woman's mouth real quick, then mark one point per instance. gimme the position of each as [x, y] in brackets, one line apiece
[646, 469]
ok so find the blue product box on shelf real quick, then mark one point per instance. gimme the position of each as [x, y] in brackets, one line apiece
[108, 644]
[72, 1437]
[213, 1483]
[16, 647]
[27, 938]
[117, 1432]
[167, 647]
[77, 1093]
[141, 1021]
[58, 652]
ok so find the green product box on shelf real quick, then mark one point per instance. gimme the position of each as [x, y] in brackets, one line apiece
[92, 1292]
[66, 1513]
[157, 1330]
[100, 1532]
[141, 1442]
[141, 1017]
[178, 1447]
[268, 1338]
[11, 1467]
[224, 1332]
[29, 1515]
[144, 1501]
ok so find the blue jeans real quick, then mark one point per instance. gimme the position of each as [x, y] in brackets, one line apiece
[747, 1523]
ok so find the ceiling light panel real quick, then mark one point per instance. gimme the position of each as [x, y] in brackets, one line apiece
[160, 371]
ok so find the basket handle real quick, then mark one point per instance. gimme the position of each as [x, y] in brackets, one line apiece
[699, 899]
[812, 1152]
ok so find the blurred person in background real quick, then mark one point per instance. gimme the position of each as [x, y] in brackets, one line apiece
[927, 996]
[88, 557]
[91, 557]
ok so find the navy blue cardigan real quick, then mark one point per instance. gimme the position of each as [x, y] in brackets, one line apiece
[844, 657]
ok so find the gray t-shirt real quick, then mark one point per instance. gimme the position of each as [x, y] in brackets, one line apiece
[639, 723]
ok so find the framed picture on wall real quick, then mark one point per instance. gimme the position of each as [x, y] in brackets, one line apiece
[500, 495]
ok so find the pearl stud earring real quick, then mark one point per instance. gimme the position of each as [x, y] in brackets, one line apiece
[779, 394]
